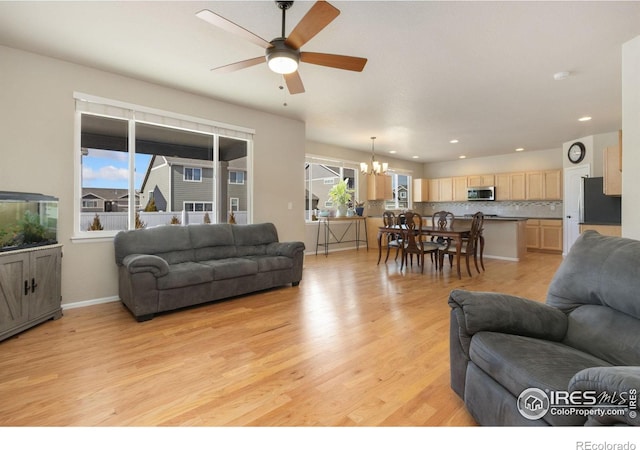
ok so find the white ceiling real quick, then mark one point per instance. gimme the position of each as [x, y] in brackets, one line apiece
[480, 72]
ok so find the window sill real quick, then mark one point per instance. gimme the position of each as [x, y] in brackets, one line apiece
[93, 238]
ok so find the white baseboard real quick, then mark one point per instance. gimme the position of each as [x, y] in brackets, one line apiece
[96, 301]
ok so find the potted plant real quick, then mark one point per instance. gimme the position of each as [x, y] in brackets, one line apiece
[340, 194]
[359, 207]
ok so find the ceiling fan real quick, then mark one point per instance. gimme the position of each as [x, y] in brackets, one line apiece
[283, 54]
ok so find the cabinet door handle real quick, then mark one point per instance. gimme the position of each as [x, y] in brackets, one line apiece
[33, 285]
[26, 287]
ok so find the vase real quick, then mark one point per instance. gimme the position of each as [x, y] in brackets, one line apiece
[342, 211]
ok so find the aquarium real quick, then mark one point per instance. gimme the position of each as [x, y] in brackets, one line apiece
[27, 220]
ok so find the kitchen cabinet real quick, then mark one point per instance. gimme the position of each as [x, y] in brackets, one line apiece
[517, 183]
[544, 235]
[441, 189]
[379, 187]
[460, 189]
[481, 180]
[612, 178]
[420, 190]
[503, 186]
[30, 288]
[544, 185]
[606, 230]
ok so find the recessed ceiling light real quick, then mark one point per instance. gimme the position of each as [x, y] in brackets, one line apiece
[584, 119]
[558, 76]
[393, 152]
[415, 157]
[454, 141]
[462, 156]
[520, 149]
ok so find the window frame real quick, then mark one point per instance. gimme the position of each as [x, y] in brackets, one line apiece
[328, 181]
[193, 171]
[132, 114]
[236, 172]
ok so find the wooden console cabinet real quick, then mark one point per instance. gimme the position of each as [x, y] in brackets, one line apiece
[30, 288]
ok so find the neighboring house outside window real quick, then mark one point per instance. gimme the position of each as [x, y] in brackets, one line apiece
[234, 204]
[198, 206]
[236, 177]
[401, 191]
[192, 174]
[320, 176]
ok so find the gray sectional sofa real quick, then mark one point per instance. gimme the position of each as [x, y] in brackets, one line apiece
[169, 267]
[572, 361]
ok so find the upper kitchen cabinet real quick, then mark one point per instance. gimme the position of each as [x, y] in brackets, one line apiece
[460, 189]
[441, 189]
[517, 183]
[481, 180]
[612, 183]
[379, 187]
[420, 190]
[544, 185]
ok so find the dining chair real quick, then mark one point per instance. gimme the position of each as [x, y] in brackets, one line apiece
[441, 220]
[469, 245]
[392, 240]
[416, 242]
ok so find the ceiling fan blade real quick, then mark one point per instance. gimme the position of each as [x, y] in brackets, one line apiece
[294, 83]
[227, 25]
[239, 65]
[336, 61]
[319, 16]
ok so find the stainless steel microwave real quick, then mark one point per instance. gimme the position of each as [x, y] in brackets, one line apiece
[483, 193]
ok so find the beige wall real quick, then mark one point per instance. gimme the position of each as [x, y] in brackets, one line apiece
[630, 138]
[37, 129]
[515, 162]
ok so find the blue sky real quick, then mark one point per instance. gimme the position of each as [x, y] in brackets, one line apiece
[109, 169]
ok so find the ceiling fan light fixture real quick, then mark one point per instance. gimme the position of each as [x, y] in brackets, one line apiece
[282, 59]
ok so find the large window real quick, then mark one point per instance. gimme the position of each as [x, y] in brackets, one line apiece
[140, 167]
[401, 192]
[320, 176]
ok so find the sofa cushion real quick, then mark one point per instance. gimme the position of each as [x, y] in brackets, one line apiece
[519, 362]
[170, 242]
[254, 234]
[605, 333]
[185, 274]
[212, 241]
[223, 269]
[599, 270]
[269, 263]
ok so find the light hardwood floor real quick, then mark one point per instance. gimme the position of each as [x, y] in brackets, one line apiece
[356, 344]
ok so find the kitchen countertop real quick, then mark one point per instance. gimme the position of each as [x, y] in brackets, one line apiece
[499, 218]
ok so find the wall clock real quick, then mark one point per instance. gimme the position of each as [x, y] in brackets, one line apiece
[576, 152]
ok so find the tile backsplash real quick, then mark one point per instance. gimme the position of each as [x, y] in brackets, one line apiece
[534, 209]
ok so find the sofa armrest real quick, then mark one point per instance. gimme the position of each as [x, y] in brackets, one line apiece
[285, 248]
[136, 263]
[489, 311]
[617, 386]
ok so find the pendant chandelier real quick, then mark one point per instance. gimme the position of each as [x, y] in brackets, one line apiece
[375, 167]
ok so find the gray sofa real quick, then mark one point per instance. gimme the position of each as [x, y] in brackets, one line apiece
[170, 267]
[519, 362]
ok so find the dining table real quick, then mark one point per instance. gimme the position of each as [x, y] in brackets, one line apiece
[456, 233]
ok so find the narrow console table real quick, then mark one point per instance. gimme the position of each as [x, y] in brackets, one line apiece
[333, 236]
